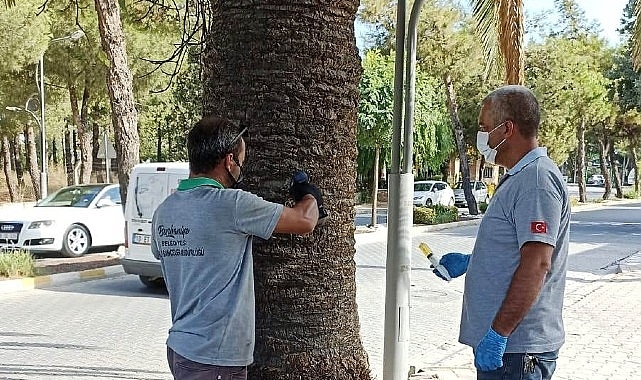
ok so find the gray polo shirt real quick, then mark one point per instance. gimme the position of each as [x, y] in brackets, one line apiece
[530, 205]
[202, 235]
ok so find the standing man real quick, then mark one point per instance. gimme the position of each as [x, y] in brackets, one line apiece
[515, 282]
[202, 235]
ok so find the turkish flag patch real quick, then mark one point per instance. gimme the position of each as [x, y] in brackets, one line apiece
[538, 227]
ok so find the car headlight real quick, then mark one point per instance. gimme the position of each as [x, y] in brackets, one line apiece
[40, 224]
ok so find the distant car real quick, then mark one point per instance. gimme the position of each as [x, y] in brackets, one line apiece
[69, 221]
[479, 190]
[427, 193]
[596, 180]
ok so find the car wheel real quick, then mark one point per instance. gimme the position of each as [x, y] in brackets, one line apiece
[428, 202]
[152, 282]
[76, 241]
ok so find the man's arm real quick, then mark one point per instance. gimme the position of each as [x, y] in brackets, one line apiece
[536, 261]
[300, 219]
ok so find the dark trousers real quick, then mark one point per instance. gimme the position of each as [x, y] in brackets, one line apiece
[523, 367]
[185, 369]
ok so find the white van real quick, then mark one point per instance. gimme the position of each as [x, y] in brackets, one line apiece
[149, 185]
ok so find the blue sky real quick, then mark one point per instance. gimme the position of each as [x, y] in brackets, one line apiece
[606, 12]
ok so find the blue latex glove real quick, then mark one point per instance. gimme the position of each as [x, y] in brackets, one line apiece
[455, 263]
[488, 355]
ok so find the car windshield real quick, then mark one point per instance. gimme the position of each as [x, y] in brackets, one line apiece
[459, 185]
[422, 186]
[73, 196]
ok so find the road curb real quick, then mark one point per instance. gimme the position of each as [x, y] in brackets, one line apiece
[41, 282]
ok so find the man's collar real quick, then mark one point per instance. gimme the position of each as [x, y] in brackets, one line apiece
[530, 157]
[192, 183]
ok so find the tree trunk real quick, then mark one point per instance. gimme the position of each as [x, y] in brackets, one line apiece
[68, 157]
[580, 161]
[617, 177]
[452, 107]
[12, 182]
[635, 161]
[32, 154]
[124, 116]
[16, 159]
[290, 73]
[84, 133]
[604, 147]
[377, 157]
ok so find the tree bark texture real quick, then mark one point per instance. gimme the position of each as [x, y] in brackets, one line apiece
[32, 154]
[124, 115]
[452, 107]
[580, 161]
[84, 132]
[12, 182]
[290, 71]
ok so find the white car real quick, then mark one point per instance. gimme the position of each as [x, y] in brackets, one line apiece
[427, 193]
[70, 221]
[479, 190]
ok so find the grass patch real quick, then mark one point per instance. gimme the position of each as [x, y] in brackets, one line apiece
[630, 195]
[14, 264]
[483, 207]
[436, 214]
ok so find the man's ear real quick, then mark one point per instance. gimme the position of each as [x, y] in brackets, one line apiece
[510, 128]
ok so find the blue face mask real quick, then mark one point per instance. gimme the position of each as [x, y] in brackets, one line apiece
[482, 144]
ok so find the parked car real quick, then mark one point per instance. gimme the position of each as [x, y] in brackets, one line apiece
[479, 190]
[596, 180]
[427, 193]
[70, 221]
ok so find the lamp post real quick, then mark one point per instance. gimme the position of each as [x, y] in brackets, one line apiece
[78, 34]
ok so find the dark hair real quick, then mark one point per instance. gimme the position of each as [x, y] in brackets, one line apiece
[516, 103]
[209, 141]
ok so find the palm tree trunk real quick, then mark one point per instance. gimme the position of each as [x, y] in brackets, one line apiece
[12, 183]
[32, 155]
[290, 73]
[377, 157]
[580, 161]
[452, 106]
[124, 116]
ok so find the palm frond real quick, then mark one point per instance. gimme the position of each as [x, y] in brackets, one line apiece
[499, 24]
[511, 39]
[485, 17]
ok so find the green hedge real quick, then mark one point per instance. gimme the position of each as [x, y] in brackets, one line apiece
[435, 214]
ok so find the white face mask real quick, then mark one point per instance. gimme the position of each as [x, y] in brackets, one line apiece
[482, 139]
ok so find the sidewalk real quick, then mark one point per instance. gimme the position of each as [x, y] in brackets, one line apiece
[603, 327]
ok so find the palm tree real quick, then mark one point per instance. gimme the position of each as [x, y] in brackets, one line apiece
[500, 26]
[291, 74]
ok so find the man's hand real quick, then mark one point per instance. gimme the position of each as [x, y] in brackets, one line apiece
[455, 263]
[488, 355]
